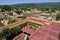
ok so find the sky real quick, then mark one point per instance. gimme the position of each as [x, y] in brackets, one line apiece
[9, 2]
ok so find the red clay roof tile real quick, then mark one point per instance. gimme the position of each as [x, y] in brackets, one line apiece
[47, 33]
[28, 30]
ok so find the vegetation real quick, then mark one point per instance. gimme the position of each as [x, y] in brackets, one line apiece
[11, 21]
[29, 6]
[8, 34]
[16, 30]
[58, 17]
[24, 17]
[33, 25]
[6, 8]
[37, 5]
[18, 12]
[1, 35]
[50, 10]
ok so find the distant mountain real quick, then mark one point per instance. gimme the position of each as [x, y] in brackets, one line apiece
[37, 5]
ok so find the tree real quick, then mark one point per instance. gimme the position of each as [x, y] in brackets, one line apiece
[58, 17]
[11, 21]
[24, 17]
[16, 30]
[7, 33]
[2, 10]
[18, 12]
[6, 8]
[29, 9]
[1, 35]
[50, 10]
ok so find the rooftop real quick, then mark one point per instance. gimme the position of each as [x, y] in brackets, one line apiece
[28, 30]
[46, 32]
[19, 37]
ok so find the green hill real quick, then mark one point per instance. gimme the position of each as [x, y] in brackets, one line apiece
[36, 5]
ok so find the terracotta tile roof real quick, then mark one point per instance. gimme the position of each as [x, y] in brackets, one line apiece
[47, 32]
[56, 26]
[19, 37]
[28, 30]
[37, 20]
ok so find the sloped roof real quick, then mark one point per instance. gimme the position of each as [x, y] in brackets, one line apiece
[19, 37]
[48, 32]
[37, 20]
[28, 30]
